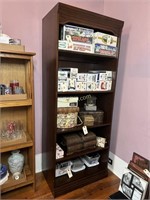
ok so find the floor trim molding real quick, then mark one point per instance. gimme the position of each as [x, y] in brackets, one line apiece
[118, 165]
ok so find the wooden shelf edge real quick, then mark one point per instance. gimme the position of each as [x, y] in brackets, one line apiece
[14, 146]
[84, 92]
[85, 53]
[13, 97]
[60, 131]
[11, 184]
[81, 153]
[17, 52]
[15, 103]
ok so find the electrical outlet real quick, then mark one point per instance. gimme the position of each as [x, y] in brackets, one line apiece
[110, 161]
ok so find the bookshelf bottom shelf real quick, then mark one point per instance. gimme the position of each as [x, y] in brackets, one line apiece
[25, 179]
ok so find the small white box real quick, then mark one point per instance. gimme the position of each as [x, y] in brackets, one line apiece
[59, 152]
[62, 86]
[72, 72]
[104, 85]
[67, 102]
[105, 50]
[91, 86]
[101, 142]
[109, 75]
[62, 75]
[81, 77]
[63, 44]
[71, 84]
[81, 86]
[92, 77]
[109, 85]
[102, 76]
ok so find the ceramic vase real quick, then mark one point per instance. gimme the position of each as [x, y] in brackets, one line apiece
[16, 162]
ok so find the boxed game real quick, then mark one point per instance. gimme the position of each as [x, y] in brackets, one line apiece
[62, 75]
[78, 34]
[71, 84]
[91, 77]
[91, 86]
[62, 85]
[82, 47]
[72, 72]
[82, 77]
[104, 85]
[62, 44]
[81, 86]
[67, 102]
[106, 39]
[106, 50]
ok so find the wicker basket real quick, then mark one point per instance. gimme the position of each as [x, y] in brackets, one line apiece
[67, 117]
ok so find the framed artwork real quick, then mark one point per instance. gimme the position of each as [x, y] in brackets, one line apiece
[133, 186]
[140, 161]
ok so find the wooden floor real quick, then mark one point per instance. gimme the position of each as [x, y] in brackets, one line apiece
[97, 190]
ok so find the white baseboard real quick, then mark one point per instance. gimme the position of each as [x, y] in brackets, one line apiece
[117, 166]
[38, 163]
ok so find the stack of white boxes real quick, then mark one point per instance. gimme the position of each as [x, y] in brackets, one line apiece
[70, 80]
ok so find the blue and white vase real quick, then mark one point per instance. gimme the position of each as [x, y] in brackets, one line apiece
[16, 162]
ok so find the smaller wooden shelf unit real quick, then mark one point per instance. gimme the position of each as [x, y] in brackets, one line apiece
[18, 65]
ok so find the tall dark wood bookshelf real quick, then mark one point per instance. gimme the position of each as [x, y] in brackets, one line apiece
[52, 59]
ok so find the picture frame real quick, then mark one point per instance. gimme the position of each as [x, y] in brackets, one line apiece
[138, 164]
[140, 161]
[133, 186]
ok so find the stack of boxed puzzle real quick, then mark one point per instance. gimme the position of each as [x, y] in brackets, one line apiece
[83, 39]
[77, 39]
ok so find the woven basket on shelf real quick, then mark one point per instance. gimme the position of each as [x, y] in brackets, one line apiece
[67, 117]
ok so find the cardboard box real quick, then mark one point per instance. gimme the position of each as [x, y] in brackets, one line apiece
[67, 102]
[82, 77]
[63, 44]
[106, 39]
[91, 86]
[92, 77]
[72, 72]
[62, 85]
[104, 86]
[105, 50]
[62, 75]
[87, 48]
[78, 34]
[81, 86]
[71, 84]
